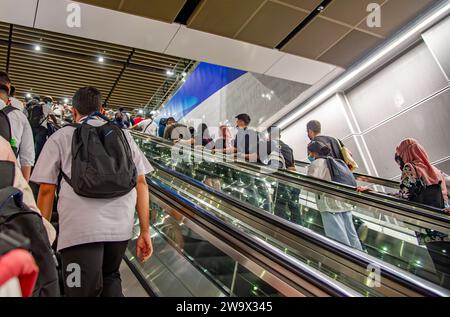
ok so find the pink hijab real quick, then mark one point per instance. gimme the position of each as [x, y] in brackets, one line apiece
[412, 153]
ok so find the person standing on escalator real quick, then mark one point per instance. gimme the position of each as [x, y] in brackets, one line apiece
[423, 183]
[98, 197]
[337, 147]
[336, 215]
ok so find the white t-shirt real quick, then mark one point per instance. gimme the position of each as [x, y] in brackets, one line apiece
[86, 220]
[23, 136]
[148, 126]
[16, 103]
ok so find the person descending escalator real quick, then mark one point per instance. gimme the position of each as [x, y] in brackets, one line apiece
[336, 215]
[423, 183]
[98, 197]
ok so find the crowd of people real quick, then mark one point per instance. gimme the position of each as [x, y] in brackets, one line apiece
[96, 173]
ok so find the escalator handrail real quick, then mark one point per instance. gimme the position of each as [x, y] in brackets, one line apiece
[313, 276]
[362, 177]
[360, 258]
[434, 216]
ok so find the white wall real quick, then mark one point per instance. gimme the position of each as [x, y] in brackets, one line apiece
[244, 95]
[410, 97]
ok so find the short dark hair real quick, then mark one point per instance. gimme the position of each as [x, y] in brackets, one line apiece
[319, 147]
[87, 100]
[244, 117]
[4, 78]
[4, 89]
[171, 119]
[121, 109]
[314, 126]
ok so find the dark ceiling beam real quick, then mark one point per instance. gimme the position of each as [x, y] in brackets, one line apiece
[8, 55]
[187, 11]
[84, 57]
[304, 23]
[120, 75]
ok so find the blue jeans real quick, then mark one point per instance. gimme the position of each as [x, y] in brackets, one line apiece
[339, 226]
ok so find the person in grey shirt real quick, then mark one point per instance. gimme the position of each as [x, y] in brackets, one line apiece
[94, 233]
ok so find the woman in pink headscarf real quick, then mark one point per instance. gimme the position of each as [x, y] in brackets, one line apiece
[420, 182]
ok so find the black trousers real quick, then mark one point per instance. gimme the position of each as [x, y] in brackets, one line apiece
[99, 264]
[40, 137]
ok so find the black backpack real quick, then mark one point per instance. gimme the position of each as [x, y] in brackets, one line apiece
[36, 116]
[102, 164]
[15, 216]
[5, 126]
[340, 173]
[288, 154]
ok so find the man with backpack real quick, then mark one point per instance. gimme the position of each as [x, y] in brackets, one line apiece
[99, 194]
[337, 148]
[16, 130]
[39, 115]
[281, 149]
[336, 215]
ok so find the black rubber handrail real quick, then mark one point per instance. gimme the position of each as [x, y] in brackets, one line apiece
[406, 279]
[361, 177]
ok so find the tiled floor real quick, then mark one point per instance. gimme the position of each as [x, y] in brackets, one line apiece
[130, 285]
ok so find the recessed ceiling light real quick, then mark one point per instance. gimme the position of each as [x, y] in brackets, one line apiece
[170, 73]
[66, 100]
[28, 95]
[184, 74]
[101, 59]
[37, 48]
[141, 111]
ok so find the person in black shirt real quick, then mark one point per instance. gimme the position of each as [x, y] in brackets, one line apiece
[275, 145]
[314, 129]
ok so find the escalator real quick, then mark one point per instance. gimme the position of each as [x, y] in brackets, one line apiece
[391, 233]
[209, 246]
[197, 254]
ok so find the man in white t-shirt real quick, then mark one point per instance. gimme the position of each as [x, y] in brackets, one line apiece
[94, 233]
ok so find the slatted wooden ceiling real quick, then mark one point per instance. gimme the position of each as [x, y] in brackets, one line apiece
[127, 77]
[339, 35]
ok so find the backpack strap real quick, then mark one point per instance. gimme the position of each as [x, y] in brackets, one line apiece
[9, 193]
[8, 109]
[8, 172]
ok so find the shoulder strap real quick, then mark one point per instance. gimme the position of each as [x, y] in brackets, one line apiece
[8, 109]
[10, 193]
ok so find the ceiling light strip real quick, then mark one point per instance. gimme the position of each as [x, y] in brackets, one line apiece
[365, 65]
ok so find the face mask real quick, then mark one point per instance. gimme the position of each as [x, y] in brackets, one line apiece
[311, 158]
